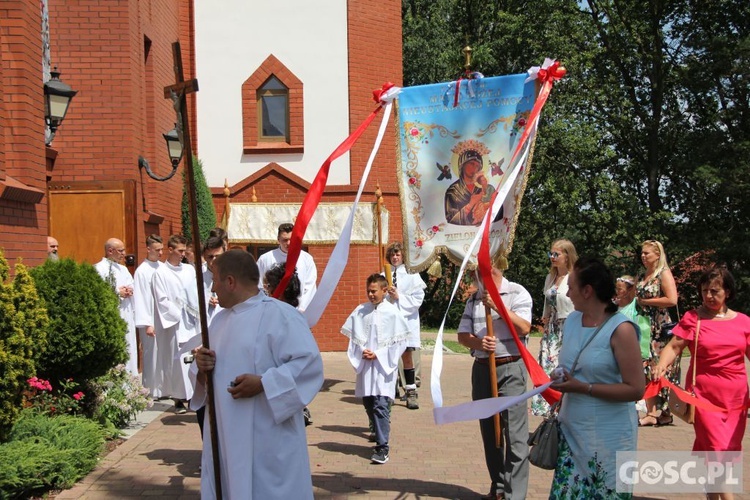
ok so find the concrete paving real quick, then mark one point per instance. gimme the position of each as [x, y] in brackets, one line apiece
[427, 461]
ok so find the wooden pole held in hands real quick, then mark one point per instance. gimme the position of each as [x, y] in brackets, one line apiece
[177, 93]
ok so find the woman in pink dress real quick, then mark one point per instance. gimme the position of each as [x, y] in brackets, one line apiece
[723, 344]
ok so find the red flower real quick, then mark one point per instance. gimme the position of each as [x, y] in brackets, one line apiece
[435, 229]
[77, 396]
[414, 131]
[521, 122]
[419, 243]
[412, 180]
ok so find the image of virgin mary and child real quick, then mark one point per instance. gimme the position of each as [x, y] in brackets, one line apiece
[468, 199]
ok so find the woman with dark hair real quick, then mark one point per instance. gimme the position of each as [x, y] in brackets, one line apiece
[722, 345]
[600, 376]
[293, 289]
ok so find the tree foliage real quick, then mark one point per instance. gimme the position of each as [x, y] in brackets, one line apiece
[204, 202]
[647, 136]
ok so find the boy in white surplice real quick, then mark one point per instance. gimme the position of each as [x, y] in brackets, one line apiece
[377, 334]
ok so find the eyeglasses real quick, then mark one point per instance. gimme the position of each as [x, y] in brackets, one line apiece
[553, 255]
[626, 281]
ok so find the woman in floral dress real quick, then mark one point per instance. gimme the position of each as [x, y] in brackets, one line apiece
[557, 306]
[656, 291]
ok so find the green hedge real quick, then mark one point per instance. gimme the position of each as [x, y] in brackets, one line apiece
[46, 453]
[86, 335]
[23, 331]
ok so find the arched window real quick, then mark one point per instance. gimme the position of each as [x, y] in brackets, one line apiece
[273, 111]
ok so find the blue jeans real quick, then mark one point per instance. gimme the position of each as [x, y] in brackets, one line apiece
[377, 408]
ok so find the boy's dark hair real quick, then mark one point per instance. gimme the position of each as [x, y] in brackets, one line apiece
[285, 228]
[212, 243]
[377, 278]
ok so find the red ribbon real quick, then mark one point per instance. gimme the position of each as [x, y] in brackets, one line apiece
[538, 376]
[653, 388]
[458, 92]
[315, 193]
[552, 73]
[377, 94]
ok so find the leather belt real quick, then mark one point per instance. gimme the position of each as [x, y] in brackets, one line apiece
[498, 361]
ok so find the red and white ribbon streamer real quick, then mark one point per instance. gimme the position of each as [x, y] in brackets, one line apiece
[340, 255]
[314, 194]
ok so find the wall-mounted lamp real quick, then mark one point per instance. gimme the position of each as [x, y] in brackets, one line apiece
[174, 149]
[57, 97]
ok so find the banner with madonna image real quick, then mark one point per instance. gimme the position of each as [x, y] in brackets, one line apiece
[456, 142]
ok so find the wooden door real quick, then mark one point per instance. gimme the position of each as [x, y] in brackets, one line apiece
[84, 215]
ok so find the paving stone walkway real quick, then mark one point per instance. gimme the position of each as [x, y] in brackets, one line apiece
[427, 461]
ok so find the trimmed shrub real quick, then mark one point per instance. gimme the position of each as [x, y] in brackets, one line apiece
[204, 202]
[47, 453]
[86, 334]
[23, 330]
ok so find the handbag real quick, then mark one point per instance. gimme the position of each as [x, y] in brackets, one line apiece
[682, 410]
[545, 439]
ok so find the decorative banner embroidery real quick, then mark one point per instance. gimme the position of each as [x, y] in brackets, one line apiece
[452, 158]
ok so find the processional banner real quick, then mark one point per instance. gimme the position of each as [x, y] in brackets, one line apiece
[456, 140]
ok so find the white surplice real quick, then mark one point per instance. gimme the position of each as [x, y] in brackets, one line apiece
[306, 271]
[176, 318]
[119, 276]
[145, 309]
[384, 331]
[410, 289]
[262, 440]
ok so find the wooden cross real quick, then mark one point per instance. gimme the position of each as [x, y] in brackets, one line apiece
[178, 93]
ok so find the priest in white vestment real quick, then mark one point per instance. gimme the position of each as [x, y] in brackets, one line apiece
[377, 334]
[266, 368]
[177, 321]
[306, 270]
[112, 271]
[145, 308]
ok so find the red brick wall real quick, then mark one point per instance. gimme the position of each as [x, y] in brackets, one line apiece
[23, 225]
[119, 113]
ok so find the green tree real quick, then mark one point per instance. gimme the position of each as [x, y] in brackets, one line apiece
[23, 331]
[86, 334]
[204, 202]
[647, 136]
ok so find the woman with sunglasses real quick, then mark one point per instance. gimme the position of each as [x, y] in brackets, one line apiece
[656, 291]
[557, 306]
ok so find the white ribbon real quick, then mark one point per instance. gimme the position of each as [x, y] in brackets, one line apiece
[483, 408]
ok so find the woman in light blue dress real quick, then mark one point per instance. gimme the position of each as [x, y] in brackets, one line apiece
[597, 416]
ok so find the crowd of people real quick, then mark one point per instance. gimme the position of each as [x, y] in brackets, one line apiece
[604, 340]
